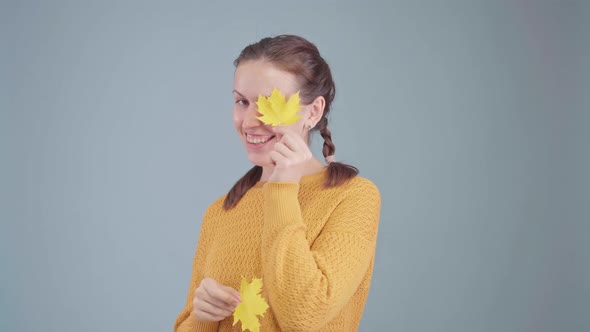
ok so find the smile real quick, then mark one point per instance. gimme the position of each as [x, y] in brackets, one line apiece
[258, 139]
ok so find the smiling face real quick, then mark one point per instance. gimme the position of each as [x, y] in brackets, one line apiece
[253, 78]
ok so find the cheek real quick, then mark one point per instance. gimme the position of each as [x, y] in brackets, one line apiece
[297, 127]
[237, 119]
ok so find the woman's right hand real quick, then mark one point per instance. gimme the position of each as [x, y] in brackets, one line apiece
[214, 301]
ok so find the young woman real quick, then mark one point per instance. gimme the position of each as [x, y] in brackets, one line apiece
[306, 229]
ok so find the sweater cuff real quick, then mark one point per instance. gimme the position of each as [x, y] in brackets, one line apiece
[281, 203]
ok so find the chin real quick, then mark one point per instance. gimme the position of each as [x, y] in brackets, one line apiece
[260, 161]
[258, 156]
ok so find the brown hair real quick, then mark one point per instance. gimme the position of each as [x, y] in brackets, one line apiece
[298, 56]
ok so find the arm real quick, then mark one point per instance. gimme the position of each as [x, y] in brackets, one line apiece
[308, 286]
[186, 322]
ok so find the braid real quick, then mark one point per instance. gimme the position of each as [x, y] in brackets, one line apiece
[329, 148]
[242, 186]
[338, 173]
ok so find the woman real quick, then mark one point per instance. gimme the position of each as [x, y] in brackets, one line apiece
[307, 230]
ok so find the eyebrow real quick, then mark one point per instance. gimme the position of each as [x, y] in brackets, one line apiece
[241, 95]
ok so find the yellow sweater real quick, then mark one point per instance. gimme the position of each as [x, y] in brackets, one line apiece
[313, 247]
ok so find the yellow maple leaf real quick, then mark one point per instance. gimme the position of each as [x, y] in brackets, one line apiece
[276, 110]
[252, 304]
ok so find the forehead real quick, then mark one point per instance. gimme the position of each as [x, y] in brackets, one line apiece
[260, 77]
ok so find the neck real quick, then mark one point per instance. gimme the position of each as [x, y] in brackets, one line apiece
[311, 167]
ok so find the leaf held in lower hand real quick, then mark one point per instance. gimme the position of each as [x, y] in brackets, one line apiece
[276, 110]
[252, 305]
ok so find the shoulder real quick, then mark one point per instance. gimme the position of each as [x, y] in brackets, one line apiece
[216, 208]
[358, 192]
[357, 209]
[361, 187]
[212, 215]
[361, 183]
[362, 196]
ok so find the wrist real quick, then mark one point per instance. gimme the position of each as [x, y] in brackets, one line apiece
[284, 176]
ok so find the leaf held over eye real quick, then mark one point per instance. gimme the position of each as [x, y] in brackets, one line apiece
[252, 305]
[276, 110]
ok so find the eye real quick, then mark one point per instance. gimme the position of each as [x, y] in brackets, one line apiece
[242, 102]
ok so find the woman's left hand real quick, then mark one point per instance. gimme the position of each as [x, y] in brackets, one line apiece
[289, 156]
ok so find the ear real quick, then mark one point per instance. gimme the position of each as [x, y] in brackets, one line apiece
[316, 111]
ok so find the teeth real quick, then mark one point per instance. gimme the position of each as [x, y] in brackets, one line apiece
[258, 140]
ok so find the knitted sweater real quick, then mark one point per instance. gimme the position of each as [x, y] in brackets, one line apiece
[312, 246]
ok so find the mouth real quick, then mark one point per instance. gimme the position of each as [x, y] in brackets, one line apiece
[257, 140]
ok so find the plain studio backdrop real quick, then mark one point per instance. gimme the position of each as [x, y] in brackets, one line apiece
[116, 134]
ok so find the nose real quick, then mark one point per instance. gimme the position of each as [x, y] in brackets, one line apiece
[250, 118]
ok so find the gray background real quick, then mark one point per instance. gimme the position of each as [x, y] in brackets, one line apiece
[471, 117]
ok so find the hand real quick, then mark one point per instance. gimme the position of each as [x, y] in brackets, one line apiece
[214, 301]
[289, 156]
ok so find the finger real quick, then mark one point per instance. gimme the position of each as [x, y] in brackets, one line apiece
[289, 141]
[280, 131]
[281, 148]
[219, 296]
[233, 292]
[219, 303]
[205, 316]
[204, 290]
[277, 158]
[212, 309]
[204, 310]
[210, 283]
[303, 146]
[295, 143]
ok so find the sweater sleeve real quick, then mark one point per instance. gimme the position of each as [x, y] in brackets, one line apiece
[186, 321]
[308, 286]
